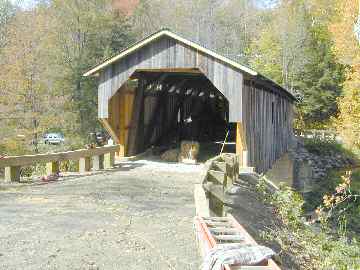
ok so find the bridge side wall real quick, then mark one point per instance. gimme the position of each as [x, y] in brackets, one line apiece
[267, 124]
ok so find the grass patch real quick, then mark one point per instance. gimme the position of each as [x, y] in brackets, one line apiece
[330, 147]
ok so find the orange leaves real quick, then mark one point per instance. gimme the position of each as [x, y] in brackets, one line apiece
[341, 195]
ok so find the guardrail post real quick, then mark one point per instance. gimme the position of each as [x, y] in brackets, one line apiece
[98, 162]
[52, 168]
[102, 157]
[84, 164]
[109, 160]
[12, 174]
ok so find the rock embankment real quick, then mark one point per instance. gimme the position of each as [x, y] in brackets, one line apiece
[311, 167]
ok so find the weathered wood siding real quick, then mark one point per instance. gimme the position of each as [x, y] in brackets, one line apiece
[264, 115]
[169, 53]
[119, 119]
[267, 124]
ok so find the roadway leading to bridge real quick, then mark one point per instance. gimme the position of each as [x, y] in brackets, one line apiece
[138, 216]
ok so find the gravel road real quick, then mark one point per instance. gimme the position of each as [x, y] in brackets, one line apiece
[137, 216]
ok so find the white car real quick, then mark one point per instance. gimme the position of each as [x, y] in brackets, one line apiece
[53, 138]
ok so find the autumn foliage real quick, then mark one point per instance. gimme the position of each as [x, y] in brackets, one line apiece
[347, 49]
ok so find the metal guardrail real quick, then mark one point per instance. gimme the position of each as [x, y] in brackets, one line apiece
[100, 157]
[316, 134]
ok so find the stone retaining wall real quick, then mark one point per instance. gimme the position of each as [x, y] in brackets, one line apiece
[302, 170]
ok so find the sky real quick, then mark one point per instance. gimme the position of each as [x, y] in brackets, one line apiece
[24, 3]
[267, 3]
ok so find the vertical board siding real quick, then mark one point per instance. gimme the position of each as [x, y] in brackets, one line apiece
[266, 115]
[268, 133]
[168, 53]
[119, 118]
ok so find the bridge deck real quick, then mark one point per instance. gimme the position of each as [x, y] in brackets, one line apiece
[138, 216]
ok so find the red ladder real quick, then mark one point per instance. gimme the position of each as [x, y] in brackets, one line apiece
[211, 231]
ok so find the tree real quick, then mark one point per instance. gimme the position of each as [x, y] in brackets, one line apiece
[280, 54]
[85, 33]
[225, 26]
[320, 82]
[299, 56]
[47, 50]
[347, 48]
[29, 104]
[7, 11]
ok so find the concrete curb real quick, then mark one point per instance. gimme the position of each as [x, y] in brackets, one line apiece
[201, 199]
[202, 187]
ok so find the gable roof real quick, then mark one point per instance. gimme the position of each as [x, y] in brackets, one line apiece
[165, 32]
[168, 33]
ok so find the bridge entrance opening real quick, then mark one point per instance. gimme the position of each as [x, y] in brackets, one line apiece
[162, 108]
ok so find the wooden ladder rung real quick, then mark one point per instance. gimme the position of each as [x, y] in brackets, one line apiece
[250, 267]
[218, 224]
[231, 237]
[223, 230]
[216, 218]
[225, 244]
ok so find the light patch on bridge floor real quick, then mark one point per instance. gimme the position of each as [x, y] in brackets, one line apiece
[165, 166]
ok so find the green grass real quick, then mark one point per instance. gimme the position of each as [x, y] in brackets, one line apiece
[325, 148]
[355, 185]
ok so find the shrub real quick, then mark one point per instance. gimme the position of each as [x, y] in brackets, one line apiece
[312, 246]
[328, 147]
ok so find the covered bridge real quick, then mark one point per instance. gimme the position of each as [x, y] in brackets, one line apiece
[165, 88]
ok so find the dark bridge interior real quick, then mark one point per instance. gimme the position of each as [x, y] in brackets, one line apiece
[178, 106]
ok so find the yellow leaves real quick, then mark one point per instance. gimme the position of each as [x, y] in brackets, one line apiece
[342, 29]
[348, 122]
[328, 200]
[26, 86]
[341, 195]
[341, 192]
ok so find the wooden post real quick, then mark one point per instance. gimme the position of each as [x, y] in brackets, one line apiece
[122, 119]
[135, 142]
[12, 174]
[241, 148]
[84, 164]
[109, 160]
[52, 168]
[98, 162]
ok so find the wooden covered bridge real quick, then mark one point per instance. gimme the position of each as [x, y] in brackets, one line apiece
[165, 89]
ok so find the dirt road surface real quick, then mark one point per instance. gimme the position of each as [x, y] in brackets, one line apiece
[137, 216]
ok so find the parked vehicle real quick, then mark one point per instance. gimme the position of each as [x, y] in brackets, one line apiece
[101, 138]
[54, 138]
